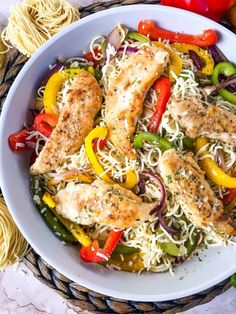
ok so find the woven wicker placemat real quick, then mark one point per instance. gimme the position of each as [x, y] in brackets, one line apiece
[77, 295]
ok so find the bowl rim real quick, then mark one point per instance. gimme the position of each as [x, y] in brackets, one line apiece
[67, 273]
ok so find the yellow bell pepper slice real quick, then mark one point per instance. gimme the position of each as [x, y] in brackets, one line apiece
[75, 229]
[82, 178]
[203, 54]
[101, 132]
[98, 132]
[53, 87]
[176, 62]
[47, 198]
[131, 180]
[213, 172]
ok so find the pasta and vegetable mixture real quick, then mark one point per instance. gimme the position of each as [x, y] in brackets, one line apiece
[134, 148]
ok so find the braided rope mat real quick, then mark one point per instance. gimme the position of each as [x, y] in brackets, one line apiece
[77, 295]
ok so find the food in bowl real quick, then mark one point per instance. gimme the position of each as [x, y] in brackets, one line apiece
[134, 148]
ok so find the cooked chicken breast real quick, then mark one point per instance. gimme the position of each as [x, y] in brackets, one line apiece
[103, 203]
[83, 101]
[125, 97]
[186, 181]
[211, 121]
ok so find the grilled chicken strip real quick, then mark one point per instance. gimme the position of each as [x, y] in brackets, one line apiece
[83, 101]
[211, 121]
[186, 181]
[103, 203]
[125, 97]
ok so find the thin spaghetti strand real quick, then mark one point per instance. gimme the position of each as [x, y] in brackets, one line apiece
[33, 22]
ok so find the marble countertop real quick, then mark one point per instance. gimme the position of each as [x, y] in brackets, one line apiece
[22, 293]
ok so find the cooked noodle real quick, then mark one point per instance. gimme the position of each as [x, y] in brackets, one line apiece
[33, 22]
[13, 246]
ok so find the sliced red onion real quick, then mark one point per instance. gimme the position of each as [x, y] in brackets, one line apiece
[115, 38]
[142, 186]
[160, 204]
[216, 54]
[164, 225]
[232, 87]
[180, 259]
[221, 160]
[228, 82]
[128, 49]
[56, 67]
[196, 59]
[33, 158]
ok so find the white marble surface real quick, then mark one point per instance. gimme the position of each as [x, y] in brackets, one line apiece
[21, 292]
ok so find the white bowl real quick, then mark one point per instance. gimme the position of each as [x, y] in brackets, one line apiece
[216, 263]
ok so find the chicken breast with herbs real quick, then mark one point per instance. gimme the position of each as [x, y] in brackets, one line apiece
[125, 97]
[83, 101]
[186, 181]
[211, 121]
[103, 203]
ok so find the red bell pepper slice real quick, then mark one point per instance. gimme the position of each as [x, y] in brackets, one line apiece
[112, 241]
[163, 86]
[98, 142]
[44, 123]
[229, 197]
[149, 28]
[94, 254]
[89, 56]
[18, 142]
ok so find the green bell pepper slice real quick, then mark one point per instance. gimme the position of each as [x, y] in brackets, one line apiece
[233, 280]
[124, 250]
[188, 143]
[170, 248]
[51, 220]
[149, 137]
[228, 69]
[190, 246]
[138, 37]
